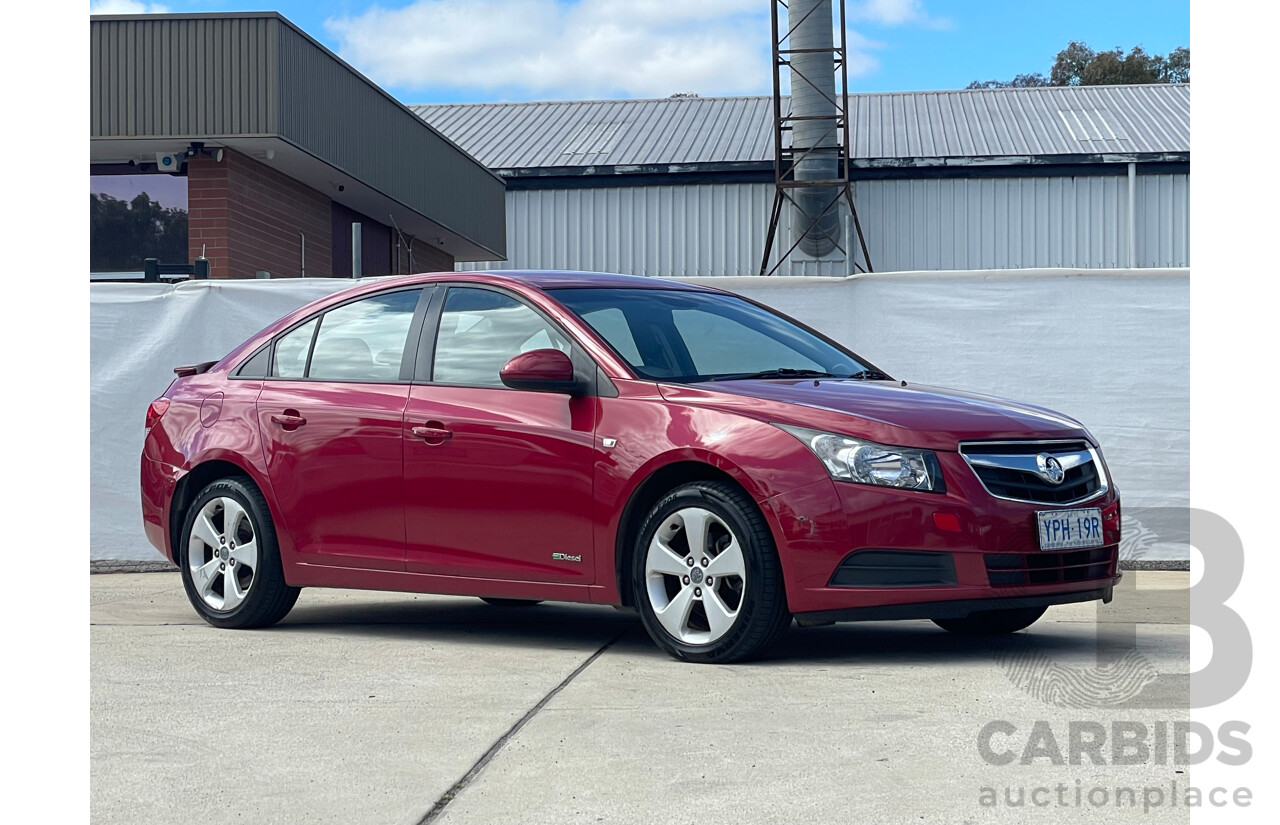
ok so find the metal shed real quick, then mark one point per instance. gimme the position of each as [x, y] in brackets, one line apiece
[1081, 177]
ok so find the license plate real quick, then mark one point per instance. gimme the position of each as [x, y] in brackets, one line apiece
[1070, 529]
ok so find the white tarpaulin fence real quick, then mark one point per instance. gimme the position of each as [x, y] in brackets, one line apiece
[1108, 347]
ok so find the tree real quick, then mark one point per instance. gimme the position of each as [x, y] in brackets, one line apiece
[1178, 66]
[1079, 65]
[1022, 81]
[123, 233]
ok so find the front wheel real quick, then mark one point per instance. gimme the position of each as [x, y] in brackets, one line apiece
[706, 576]
[992, 622]
[230, 561]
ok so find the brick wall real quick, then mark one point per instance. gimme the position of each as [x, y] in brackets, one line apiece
[426, 258]
[249, 216]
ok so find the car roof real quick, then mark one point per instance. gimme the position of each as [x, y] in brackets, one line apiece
[569, 279]
[539, 279]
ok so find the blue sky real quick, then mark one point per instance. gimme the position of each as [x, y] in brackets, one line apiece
[425, 51]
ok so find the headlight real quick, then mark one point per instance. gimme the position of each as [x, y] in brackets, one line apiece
[865, 462]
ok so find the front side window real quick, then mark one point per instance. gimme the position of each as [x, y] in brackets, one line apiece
[481, 330]
[686, 336]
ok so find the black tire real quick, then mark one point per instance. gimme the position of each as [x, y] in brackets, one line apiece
[992, 622]
[267, 599]
[761, 607]
[496, 602]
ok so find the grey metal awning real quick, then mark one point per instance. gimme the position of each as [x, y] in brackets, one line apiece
[255, 83]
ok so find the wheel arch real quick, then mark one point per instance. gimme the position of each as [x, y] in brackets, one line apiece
[647, 493]
[195, 480]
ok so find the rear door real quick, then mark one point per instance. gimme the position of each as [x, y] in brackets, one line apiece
[498, 481]
[331, 415]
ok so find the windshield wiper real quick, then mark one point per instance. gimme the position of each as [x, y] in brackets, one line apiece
[781, 372]
[870, 375]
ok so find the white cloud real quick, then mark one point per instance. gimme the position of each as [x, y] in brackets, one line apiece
[125, 7]
[586, 48]
[895, 13]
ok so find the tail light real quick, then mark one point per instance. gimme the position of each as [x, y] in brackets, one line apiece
[155, 411]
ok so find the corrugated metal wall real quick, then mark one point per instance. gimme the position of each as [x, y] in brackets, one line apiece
[950, 223]
[160, 76]
[1164, 220]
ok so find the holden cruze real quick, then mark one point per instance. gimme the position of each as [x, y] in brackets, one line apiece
[529, 436]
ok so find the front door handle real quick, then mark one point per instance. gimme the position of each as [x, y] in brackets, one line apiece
[289, 419]
[433, 433]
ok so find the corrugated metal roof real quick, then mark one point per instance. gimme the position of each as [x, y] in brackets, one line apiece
[1073, 120]
[619, 132]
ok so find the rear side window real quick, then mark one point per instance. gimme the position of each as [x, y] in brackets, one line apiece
[364, 340]
[360, 341]
[256, 367]
[292, 350]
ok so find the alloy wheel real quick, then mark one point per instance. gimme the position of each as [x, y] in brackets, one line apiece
[695, 576]
[222, 553]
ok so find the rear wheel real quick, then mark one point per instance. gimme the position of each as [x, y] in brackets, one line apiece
[706, 577]
[510, 602]
[992, 622]
[230, 560]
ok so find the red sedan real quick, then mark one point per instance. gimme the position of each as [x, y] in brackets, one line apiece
[530, 436]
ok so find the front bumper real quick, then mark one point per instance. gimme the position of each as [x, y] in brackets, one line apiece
[952, 609]
[854, 550]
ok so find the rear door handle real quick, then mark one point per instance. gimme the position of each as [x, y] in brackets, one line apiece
[436, 433]
[289, 419]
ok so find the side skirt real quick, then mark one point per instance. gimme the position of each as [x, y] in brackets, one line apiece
[357, 578]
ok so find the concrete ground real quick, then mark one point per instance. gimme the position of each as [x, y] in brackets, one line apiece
[393, 708]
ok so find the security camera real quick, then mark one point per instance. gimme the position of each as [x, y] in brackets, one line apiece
[167, 162]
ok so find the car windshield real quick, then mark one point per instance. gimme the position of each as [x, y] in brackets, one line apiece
[684, 336]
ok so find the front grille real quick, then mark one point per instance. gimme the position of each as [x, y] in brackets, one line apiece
[1011, 569]
[1080, 482]
[1008, 470]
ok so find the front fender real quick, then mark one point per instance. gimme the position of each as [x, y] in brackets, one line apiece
[764, 460]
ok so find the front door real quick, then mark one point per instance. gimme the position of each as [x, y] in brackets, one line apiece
[498, 481]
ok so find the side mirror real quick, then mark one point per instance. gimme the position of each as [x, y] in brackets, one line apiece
[540, 370]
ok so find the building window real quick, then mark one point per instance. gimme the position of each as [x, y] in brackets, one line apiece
[133, 217]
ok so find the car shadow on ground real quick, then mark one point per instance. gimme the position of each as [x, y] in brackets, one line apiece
[560, 625]
[921, 643]
[463, 620]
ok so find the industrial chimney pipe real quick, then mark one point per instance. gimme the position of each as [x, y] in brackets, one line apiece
[815, 124]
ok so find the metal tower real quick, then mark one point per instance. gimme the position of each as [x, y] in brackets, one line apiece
[811, 139]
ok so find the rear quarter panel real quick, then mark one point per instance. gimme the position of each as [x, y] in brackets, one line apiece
[213, 418]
